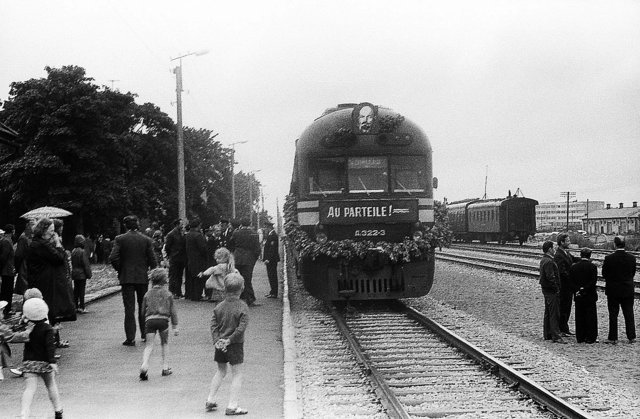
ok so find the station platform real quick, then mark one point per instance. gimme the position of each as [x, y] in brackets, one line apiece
[99, 377]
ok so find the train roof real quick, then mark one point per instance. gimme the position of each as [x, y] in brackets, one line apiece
[482, 203]
[359, 128]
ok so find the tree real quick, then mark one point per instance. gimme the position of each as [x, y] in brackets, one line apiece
[245, 201]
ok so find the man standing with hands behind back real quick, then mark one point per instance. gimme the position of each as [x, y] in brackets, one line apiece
[271, 257]
[132, 256]
[618, 271]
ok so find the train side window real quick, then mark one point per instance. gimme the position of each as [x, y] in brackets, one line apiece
[326, 176]
[408, 173]
[368, 174]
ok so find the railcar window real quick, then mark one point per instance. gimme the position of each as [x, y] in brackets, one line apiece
[368, 174]
[408, 174]
[326, 176]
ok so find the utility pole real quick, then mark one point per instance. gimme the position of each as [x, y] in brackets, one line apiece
[568, 195]
[182, 206]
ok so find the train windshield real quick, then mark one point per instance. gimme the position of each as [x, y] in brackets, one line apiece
[368, 174]
[327, 176]
[408, 173]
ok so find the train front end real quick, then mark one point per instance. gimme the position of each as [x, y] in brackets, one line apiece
[361, 209]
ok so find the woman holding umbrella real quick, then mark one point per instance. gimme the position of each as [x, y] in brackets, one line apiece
[47, 270]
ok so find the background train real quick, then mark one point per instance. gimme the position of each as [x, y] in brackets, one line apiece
[502, 220]
[361, 205]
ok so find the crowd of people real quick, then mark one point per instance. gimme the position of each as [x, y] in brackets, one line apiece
[565, 279]
[214, 265]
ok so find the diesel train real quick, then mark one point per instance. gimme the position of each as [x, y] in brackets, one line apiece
[360, 208]
[504, 219]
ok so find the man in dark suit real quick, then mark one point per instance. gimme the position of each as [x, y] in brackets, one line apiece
[176, 250]
[226, 233]
[246, 253]
[584, 275]
[618, 271]
[564, 260]
[271, 257]
[550, 285]
[132, 256]
[196, 260]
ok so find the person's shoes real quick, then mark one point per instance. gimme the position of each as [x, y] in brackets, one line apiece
[129, 343]
[167, 372]
[566, 334]
[632, 341]
[611, 342]
[81, 311]
[63, 344]
[560, 340]
[58, 414]
[210, 407]
[592, 341]
[144, 376]
[57, 356]
[17, 372]
[236, 411]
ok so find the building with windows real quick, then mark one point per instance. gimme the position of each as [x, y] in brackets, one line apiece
[552, 216]
[619, 220]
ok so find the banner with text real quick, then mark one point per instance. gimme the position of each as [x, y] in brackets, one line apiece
[354, 212]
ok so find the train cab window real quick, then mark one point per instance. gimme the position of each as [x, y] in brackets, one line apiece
[408, 174]
[368, 174]
[326, 176]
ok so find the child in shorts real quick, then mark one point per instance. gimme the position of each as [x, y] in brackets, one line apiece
[228, 324]
[158, 308]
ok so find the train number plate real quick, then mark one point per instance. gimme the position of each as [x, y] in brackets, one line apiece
[370, 233]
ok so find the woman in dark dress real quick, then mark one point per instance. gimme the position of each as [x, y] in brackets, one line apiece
[584, 275]
[48, 270]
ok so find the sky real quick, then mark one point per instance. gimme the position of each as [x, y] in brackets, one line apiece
[541, 96]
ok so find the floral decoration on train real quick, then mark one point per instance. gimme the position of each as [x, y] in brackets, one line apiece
[406, 251]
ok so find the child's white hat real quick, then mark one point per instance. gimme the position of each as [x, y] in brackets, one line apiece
[3, 304]
[35, 309]
[32, 293]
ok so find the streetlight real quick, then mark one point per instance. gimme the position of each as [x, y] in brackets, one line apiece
[233, 181]
[251, 196]
[182, 206]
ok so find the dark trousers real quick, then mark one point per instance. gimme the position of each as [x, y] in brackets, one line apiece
[272, 274]
[176, 270]
[130, 294]
[247, 273]
[566, 299]
[614, 304]
[79, 286]
[6, 292]
[586, 315]
[551, 327]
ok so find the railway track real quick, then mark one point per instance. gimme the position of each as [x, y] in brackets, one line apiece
[521, 268]
[419, 368]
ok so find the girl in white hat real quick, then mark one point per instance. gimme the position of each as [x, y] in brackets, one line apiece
[39, 357]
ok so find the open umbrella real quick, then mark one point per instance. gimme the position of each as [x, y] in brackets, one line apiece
[48, 212]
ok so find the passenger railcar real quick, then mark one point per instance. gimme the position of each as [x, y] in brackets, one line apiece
[362, 205]
[502, 220]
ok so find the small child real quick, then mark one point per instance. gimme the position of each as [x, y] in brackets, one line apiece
[39, 357]
[80, 272]
[225, 266]
[158, 308]
[229, 321]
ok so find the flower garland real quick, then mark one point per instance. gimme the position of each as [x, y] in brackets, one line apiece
[406, 251]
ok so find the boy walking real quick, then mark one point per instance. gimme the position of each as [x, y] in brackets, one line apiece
[158, 309]
[228, 324]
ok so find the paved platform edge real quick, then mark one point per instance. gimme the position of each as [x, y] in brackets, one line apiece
[290, 404]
